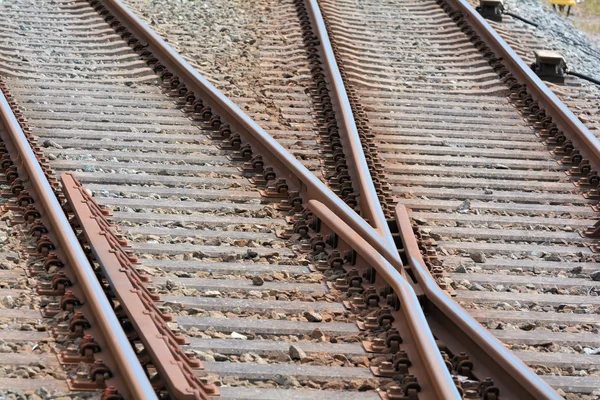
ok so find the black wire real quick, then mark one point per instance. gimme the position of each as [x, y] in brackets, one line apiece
[521, 18]
[577, 74]
[582, 76]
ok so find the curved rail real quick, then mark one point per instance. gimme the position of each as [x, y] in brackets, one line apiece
[286, 165]
[127, 363]
[477, 340]
[296, 175]
[426, 345]
[368, 201]
[515, 377]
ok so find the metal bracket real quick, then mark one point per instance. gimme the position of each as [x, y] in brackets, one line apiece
[550, 66]
[491, 9]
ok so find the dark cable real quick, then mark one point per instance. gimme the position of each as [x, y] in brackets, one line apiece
[521, 18]
[582, 76]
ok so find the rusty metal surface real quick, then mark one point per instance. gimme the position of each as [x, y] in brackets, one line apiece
[374, 244]
[296, 175]
[560, 114]
[138, 385]
[521, 382]
[287, 166]
[176, 370]
[368, 202]
[425, 342]
[528, 385]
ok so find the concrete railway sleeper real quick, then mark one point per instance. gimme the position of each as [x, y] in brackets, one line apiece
[89, 322]
[190, 85]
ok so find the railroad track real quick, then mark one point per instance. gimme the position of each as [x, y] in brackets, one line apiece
[479, 183]
[252, 276]
[578, 94]
[200, 227]
[28, 350]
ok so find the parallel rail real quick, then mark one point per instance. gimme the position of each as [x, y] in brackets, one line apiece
[509, 373]
[102, 316]
[518, 374]
[175, 369]
[561, 118]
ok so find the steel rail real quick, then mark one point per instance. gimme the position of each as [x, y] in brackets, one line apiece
[516, 377]
[426, 344]
[167, 358]
[117, 344]
[284, 163]
[296, 174]
[368, 200]
[484, 349]
[562, 116]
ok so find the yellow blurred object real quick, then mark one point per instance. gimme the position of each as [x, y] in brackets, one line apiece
[563, 2]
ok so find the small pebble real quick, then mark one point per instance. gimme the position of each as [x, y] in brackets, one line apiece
[258, 281]
[312, 316]
[478, 257]
[296, 353]
[51, 143]
[317, 334]
[235, 335]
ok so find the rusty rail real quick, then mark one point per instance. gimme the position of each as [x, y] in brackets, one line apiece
[561, 116]
[460, 325]
[515, 376]
[286, 166]
[103, 318]
[489, 354]
[368, 201]
[460, 330]
[426, 345]
[174, 367]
